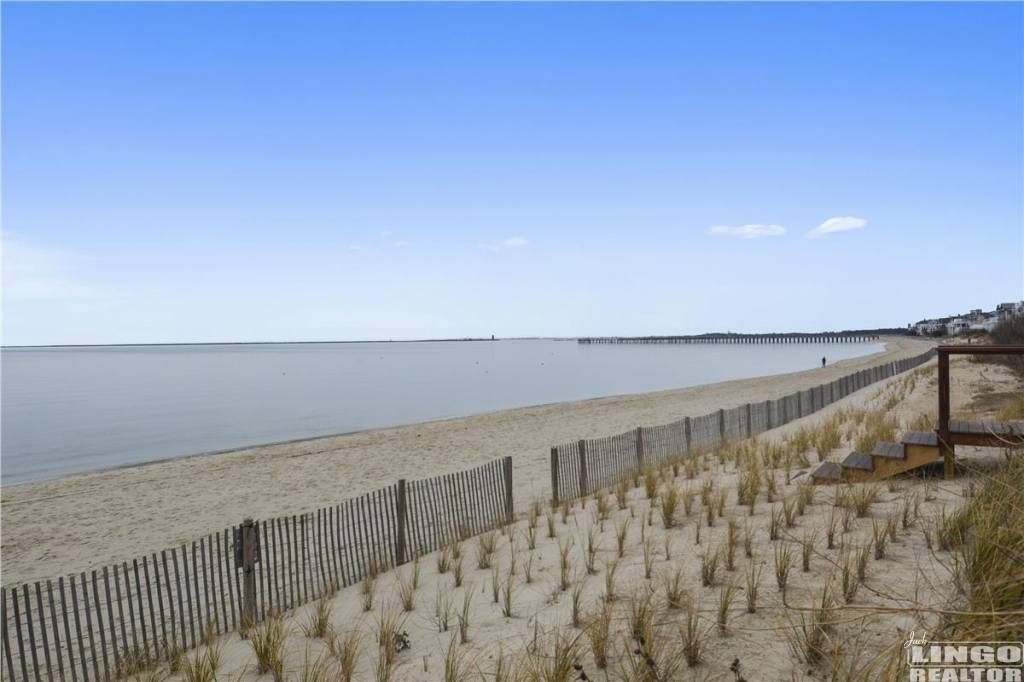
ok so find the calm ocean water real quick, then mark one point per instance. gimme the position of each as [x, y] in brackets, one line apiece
[70, 410]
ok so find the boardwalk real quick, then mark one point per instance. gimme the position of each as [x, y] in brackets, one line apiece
[829, 337]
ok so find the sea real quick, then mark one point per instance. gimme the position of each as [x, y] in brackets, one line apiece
[69, 410]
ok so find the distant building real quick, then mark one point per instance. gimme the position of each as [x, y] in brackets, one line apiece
[957, 325]
[975, 321]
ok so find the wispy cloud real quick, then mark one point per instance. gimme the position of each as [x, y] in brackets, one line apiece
[355, 247]
[385, 233]
[837, 225]
[510, 243]
[400, 244]
[752, 231]
[34, 273]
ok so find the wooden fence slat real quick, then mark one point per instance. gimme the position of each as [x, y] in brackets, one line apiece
[237, 580]
[210, 616]
[274, 523]
[67, 632]
[56, 630]
[31, 632]
[6, 634]
[99, 624]
[110, 620]
[300, 552]
[42, 630]
[163, 643]
[185, 621]
[361, 529]
[332, 552]
[196, 595]
[170, 600]
[351, 550]
[19, 635]
[142, 610]
[377, 530]
[347, 574]
[374, 531]
[188, 593]
[78, 630]
[131, 605]
[220, 584]
[266, 596]
[352, 530]
[289, 563]
[261, 607]
[230, 573]
[320, 551]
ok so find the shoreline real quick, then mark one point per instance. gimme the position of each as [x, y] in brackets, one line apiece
[337, 434]
[185, 497]
[7, 487]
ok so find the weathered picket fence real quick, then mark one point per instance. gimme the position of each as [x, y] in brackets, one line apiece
[584, 466]
[92, 625]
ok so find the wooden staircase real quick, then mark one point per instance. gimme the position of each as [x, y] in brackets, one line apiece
[915, 449]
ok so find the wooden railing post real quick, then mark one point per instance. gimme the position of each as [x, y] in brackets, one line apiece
[249, 572]
[639, 448]
[401, 505]
[768, 415]
[509, 512]
[582, 449]
[554, 477]
[721, 426]
[688, 431]
[944, 445]
[750, 426]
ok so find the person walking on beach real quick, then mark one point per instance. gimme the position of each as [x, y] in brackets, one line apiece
[822, 361]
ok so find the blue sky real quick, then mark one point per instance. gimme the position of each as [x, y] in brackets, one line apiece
[234, 172]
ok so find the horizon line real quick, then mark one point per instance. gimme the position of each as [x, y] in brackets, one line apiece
[879, 331]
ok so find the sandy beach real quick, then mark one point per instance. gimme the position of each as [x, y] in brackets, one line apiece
[86, 521]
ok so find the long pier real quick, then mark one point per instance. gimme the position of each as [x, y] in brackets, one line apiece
[831, 337]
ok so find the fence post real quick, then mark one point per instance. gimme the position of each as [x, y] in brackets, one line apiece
[768, 414]
[508, 489]
[554, 477]
[639, 448]
[249, 571]
[945, 447]
[750, 427]
[689, 435]
[401, 506]
[721, 426]
[582, 449]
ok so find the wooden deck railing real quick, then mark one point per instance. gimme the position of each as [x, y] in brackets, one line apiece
[945, 441]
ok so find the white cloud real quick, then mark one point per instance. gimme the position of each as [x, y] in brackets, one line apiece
[752, 231]
[401, 244]
[385, 233]
[32, 273]
[837, 225]
[355, 247]
[516, 241]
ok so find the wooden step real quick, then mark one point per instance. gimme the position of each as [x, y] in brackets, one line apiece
[828, 472]
[890, 450]
[929, 438]
[859, 460]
